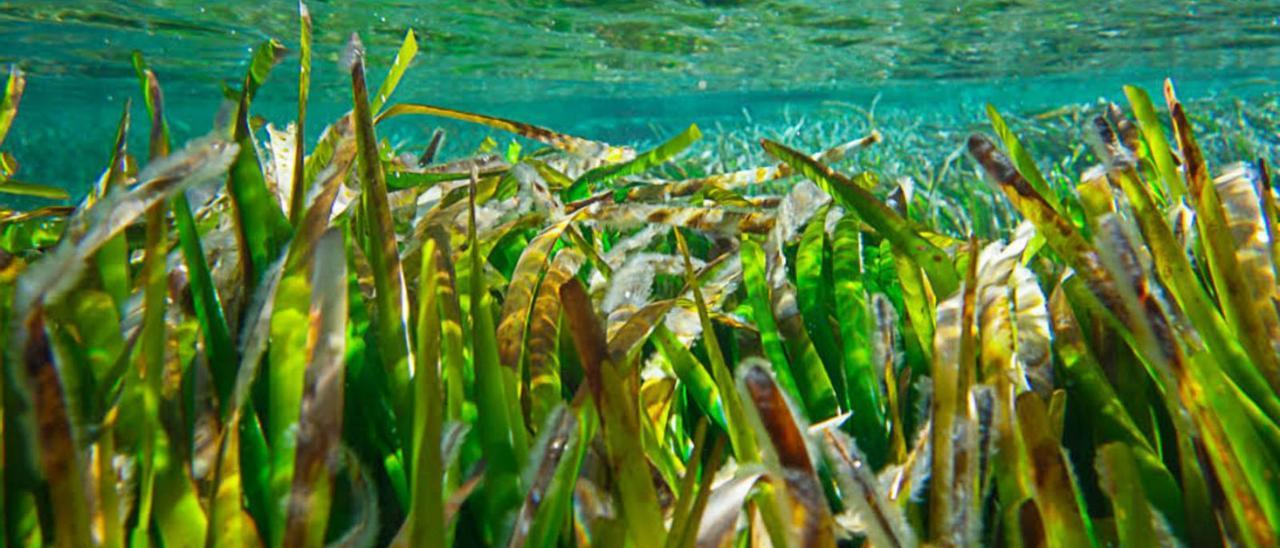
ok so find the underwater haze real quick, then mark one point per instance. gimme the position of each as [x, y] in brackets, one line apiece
[630, 71]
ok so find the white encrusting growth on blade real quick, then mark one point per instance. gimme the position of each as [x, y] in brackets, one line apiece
[800, 204]
[1032, 326]
[533, 191]
[797, 207]
[715, 221]
[58, 271]
[622, 249]
[994, 315]
[869, 507]
[1012, 311]
[633, 283]
[352, 53]
[279, 171]
[884, 340]
[1240, 188]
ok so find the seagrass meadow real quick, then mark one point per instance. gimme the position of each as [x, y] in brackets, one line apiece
[554, 341]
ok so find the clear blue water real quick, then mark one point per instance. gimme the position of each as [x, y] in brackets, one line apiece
[626, 71]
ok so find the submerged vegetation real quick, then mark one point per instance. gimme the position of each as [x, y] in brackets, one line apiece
[245, 342]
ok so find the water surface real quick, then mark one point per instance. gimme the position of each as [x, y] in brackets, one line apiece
[626, 71]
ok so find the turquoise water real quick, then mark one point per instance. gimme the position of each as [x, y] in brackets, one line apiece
[629, 71]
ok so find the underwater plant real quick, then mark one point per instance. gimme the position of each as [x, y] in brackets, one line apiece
[244, 342]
